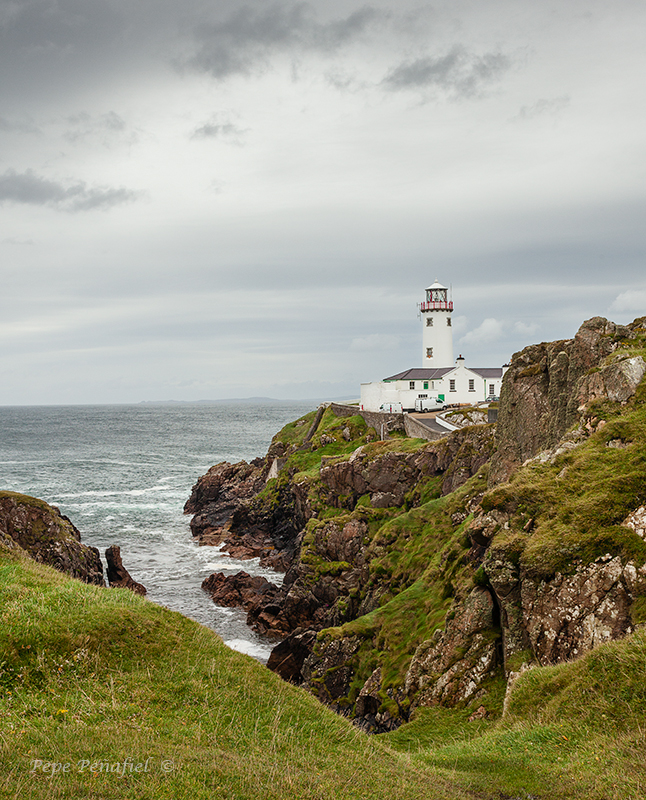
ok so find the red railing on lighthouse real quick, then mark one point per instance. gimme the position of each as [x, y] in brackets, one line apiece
[435, 305]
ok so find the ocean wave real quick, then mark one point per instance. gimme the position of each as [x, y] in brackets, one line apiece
[256, 650]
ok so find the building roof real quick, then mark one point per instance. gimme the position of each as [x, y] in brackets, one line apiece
[436, 285]
[487, 372]
[420, 374]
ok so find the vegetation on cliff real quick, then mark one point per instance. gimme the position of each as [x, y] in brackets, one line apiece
[93, 677]
[488, 592]
[102, 680]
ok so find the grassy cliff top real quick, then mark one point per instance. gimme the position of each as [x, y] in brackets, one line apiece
[100, 675]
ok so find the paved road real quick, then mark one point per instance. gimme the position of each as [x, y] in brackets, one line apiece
[429, 421]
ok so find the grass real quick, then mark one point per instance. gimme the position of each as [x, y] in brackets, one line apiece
[100, 676]
[572, 731]
[574, 506]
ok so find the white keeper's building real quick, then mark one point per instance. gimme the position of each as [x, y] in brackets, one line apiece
[450, 381]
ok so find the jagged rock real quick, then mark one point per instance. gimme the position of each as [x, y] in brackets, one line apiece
[476, 446]
[479, 713]
[218, 494]
[261, 599]
[635, 579]
[390, 476]
[326, 671]
[548, 385]
[368, 716]
[238, 590]
[450, 668]
[226, 513]
[636, 520]
[288, 657]
[118, 575]
[570, 615]
[48, 536]
[484, 527]
[617, 382]
[503, 570]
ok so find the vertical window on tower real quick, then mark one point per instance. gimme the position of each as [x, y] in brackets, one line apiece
[429, 352]
[411, 384]
[429, 322]
[448, 321]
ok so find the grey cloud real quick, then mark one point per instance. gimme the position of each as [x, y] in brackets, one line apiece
[218, 130]
[243, 43]
[459, 72]
[31, 189]
[105, 127]
[51, 26]
[8, 126]
[543, 106]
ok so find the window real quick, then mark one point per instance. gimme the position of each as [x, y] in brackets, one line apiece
[472, 385]
[429, 322]
[451, 385]
[448, 321]
[492, 390]
[426, 384]
[411, 384]
[422, 396]
[429, 352]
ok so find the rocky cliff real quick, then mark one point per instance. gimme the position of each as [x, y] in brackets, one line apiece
[425, 573]
[47, 536]
[548, 386]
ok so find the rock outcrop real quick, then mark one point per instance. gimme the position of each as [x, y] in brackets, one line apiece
[118, 575]
[451, 668]
[418, 573]
[224, 512]
[548, 385]
[562, 618]
[390, 477]
[47, 536]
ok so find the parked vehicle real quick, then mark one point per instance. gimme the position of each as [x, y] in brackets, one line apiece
[424, 404]
[391, 408]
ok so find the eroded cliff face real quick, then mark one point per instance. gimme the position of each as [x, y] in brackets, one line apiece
[318, 525]
[424, 573]
[47, 536]
[548, 386]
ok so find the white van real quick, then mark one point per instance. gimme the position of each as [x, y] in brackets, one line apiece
[391, 408]
[428, 404]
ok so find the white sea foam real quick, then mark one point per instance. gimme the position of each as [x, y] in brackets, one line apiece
[257, 650]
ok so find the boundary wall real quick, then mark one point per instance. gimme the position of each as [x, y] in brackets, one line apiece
[385, 423]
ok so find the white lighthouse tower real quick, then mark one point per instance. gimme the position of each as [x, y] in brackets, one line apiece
[437, 331]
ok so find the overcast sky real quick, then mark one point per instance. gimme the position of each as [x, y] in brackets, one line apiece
[247, 197]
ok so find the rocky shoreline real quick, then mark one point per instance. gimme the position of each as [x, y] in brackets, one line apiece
[410, 577]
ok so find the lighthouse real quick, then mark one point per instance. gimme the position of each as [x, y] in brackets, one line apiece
[440, 381]
[437, 330]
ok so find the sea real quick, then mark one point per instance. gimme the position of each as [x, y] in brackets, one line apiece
[122, 474]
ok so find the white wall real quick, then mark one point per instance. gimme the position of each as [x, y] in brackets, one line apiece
[439, 337]
[378, 392]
